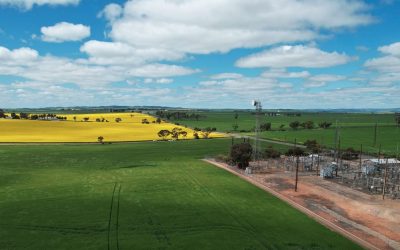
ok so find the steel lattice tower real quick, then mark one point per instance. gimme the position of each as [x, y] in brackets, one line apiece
[257, 130]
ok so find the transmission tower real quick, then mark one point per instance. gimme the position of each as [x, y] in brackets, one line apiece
[257, 130]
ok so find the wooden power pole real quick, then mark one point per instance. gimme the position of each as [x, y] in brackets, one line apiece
[297, 165]
[361, 152]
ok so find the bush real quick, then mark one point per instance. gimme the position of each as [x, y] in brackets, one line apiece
[295, 152]
[271, 153]
[350, 154]
[241, 154]
[308, 125]
[324, 125]
[294, 125]
[265, 126]
[312, 145]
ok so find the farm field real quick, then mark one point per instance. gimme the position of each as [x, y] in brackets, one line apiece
[162, 196]
[387, 137]
[355, 129]
[130, 128]
[223, 121]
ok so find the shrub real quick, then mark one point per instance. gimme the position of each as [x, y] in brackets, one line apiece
[241, 154]
[350, 154]
[324, 125]
[312, 145]
[295, 152]
[265, 126]
[308, 125]
[294, 125]
[271, 153]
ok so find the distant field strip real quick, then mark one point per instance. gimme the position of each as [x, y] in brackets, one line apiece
[130, 128]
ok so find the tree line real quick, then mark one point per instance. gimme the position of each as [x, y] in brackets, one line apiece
[175, 133]
[241, 153]
[178, 115]
[27, 116]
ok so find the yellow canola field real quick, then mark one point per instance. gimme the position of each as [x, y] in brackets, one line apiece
[129, 129]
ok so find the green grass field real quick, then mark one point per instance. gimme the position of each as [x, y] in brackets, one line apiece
[223, 121]
[387, 137]
[59, 197]
[355, 129]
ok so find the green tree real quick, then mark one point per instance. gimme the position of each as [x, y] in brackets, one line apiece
[271, 153]
[350, 154]
[100, 139]
[294, 125]
[308, 125]
[163, 133]
[324, 125]
[397, 119]
[295, 152]
[176, 132]
[312, 145]
[207, 131]
[241, 154]
[265, 126]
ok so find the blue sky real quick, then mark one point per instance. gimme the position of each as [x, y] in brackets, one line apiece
[200, 54]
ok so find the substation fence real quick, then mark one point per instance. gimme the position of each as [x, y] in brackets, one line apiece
[380, 179]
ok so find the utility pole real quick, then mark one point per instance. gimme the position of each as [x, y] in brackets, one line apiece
[297, 166]
[336, 141]
[385, 180]
[375, 132]
[318, 152]
[379, 153]
[361, 152]
[337, 162]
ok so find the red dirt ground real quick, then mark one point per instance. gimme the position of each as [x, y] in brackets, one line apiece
[367, 219]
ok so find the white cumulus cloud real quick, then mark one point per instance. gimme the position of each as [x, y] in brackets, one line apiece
[207, 26]
[392, 49]
[122, 54]
[293, 56]
[226, 76]
[50, 70]
[387, 66]
[28, 4]
[64, 32]
[17, 56]
[111, 12]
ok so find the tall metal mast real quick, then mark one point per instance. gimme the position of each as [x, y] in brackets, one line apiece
[257, 130]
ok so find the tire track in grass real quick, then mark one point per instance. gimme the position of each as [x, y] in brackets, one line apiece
[117, 222]
[241, 222]
[110, 216]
